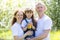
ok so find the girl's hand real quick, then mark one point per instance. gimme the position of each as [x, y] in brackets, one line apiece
[30, 23]
[33, 27]
[29, 26]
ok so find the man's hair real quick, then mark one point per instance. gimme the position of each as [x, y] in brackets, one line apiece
[41, 3]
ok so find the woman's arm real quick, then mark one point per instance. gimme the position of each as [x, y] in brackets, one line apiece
[16, 38]
[24, 29]
[22, 37]
[19, 38]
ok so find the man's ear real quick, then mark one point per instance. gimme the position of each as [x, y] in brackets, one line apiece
[45, 8]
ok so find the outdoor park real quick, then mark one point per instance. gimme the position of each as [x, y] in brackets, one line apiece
[7, 8]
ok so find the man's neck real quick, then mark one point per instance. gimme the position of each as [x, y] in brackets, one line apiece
[41, 15]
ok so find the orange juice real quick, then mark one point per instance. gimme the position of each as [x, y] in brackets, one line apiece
[29, 26]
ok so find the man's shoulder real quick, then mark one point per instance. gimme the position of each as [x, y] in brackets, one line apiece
[47, 18]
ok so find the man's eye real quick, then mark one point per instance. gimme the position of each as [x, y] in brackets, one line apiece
[41, 7]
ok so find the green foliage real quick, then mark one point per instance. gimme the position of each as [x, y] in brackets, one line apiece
[53, 11]
[7, 8]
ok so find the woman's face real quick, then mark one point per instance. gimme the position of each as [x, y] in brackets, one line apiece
[29, 15]
[19, 15]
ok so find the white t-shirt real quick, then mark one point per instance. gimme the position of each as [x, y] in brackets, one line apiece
[24, 23]
[44, 23]
[17, 30]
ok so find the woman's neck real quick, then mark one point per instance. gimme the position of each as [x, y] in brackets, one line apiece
[18, 21]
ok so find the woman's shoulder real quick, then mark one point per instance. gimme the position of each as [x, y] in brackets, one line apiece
[14, 25]
[23, 21]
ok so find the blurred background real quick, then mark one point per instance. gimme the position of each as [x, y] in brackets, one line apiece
[7, 8]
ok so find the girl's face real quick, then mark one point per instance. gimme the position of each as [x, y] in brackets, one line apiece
[19, 15]
[29, 15]
[40, 8]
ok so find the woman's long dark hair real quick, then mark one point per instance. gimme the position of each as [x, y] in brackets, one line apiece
[14, 19]
[33, 20]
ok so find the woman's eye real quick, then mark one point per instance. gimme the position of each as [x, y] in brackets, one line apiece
[18, 15]
[38, 7]
[21, 15]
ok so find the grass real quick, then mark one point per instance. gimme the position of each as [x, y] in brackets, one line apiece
[6, 35]
[54, 35]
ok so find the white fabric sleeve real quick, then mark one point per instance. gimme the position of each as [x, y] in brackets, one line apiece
[23, 23]
[14, 30]
[47, 24]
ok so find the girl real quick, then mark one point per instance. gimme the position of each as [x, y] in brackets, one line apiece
[16, 29]
[29, 23]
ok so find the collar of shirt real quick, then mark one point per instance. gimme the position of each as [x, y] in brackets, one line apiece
[42, 18]
[29, 20]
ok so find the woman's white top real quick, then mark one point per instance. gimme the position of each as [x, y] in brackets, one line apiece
[17, 30]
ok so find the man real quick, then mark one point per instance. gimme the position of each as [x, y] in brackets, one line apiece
[44, 23]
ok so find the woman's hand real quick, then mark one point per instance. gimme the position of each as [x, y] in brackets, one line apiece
[28, 38]
[24, 29]
[29, 33]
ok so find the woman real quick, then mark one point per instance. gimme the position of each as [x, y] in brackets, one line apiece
[16, 29]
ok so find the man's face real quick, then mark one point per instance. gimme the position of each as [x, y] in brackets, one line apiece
[39, 8]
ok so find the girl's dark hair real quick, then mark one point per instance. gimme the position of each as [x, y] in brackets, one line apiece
[14, 19]
[33, 20]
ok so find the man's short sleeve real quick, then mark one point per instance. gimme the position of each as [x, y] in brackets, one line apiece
[47, 24]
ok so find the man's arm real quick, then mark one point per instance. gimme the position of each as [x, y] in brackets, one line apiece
[42, 36]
